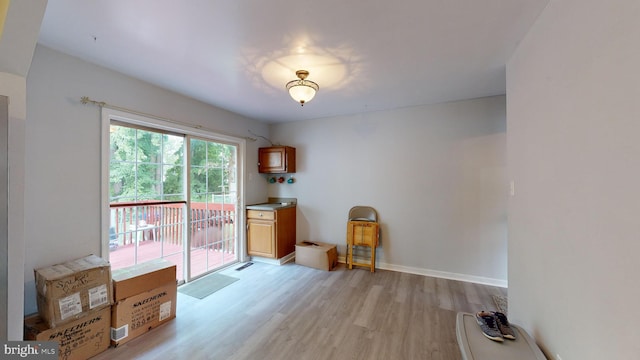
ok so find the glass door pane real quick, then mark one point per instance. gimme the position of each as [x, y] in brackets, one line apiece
[146, 170]
[213, 206]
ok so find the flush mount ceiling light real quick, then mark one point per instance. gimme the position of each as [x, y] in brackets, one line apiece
[302, 90]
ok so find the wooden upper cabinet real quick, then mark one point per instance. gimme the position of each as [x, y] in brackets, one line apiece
[277, 160]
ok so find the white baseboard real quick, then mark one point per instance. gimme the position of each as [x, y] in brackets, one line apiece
[434, 273]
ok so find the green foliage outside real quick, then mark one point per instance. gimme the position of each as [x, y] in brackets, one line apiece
[148, 165]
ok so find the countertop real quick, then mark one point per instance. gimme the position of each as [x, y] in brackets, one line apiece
[274, 204]
[270, 206]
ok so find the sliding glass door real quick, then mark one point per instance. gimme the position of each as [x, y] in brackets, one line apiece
[171, 196]
[213, 190]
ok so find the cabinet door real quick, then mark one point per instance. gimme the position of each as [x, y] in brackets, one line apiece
[277, 160]
[261, 238]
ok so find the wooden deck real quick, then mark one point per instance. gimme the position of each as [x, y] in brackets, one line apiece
[202, 259]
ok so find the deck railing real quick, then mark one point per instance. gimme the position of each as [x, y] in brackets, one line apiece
[166, 222]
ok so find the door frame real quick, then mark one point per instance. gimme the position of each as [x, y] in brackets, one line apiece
[109, 114]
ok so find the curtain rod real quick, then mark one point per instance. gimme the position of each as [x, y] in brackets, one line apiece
[86, 100]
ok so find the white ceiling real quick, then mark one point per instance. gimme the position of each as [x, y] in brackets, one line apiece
[366, 55]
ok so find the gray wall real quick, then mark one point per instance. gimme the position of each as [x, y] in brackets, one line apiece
[4, 214]
[16, 51]
[62, 165]
[436, 175]
[573, 124]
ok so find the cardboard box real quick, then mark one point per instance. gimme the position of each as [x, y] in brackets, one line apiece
[317, 255]
[143, 277]
[67, 291]
[79, 339]
[136, 315]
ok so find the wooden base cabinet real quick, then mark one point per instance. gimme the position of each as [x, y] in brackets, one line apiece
[271, 233]
[261, 236]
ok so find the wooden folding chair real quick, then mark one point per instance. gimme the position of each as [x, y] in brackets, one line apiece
[362, 230]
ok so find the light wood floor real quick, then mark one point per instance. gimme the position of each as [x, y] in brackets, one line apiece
[295, 312]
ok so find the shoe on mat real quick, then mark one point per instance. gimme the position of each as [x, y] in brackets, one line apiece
[487, 323]
[503, 325]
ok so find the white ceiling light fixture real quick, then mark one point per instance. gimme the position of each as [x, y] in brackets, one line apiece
[302, 90]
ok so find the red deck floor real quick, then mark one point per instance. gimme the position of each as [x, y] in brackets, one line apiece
[202, 259]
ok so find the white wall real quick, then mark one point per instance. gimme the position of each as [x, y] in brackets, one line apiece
[573, 124]
[62, 170]
[436, 175]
